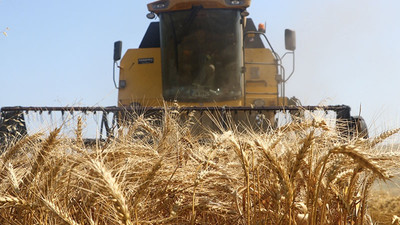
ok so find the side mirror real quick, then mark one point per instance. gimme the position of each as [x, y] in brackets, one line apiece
[117, 50]
[151, 16]
[290, 40]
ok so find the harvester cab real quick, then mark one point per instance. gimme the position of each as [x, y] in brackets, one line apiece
[208, 56]
[203, 54]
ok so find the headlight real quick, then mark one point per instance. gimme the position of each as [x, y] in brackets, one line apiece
[234, 2]
[259, 102]
[160, 5]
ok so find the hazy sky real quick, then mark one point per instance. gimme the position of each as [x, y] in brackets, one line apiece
[59, 53]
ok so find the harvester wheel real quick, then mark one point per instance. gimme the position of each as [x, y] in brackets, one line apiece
[12, 126]
[359, 127]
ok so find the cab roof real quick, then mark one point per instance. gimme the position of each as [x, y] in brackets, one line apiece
[177, 5]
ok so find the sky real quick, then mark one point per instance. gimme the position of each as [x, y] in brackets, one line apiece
[59, 53]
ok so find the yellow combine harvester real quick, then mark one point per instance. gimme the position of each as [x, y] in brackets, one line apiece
[207, 55]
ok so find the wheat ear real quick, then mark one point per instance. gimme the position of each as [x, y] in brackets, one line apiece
[13, 177]
[11, 151]
[11, 200]
[78, 132]
[383, 137]
[301, 154]
[49, 143]
[115, 190]
[59, 212]
[361, 159]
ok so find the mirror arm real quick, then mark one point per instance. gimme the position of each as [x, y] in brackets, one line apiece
[115, 83]
[293, 66]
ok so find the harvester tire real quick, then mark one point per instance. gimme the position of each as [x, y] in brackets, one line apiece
[359, 127]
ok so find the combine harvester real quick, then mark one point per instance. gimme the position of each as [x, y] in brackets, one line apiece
[206, 55]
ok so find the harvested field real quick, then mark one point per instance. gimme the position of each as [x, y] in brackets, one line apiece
[300, 173]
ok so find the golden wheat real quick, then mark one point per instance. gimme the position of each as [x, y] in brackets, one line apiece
[162, 173]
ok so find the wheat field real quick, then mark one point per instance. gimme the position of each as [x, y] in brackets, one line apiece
[163, 173]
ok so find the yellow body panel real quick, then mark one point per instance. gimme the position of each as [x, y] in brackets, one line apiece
[141, 70]
[174, 5]
[260, 80]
